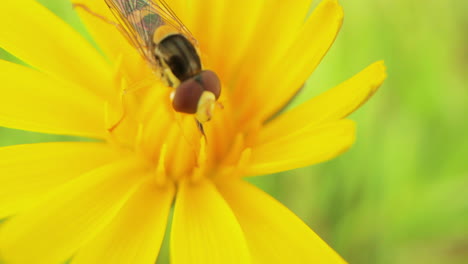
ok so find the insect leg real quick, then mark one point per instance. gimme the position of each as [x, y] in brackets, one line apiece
[122, 116]
[100, 17]
[87, 9]
[142, 84]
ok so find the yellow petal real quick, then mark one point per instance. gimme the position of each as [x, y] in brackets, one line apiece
[237, 35]
[136, 233]
[53, 230]
[33, 101]
[303, 57]
[117, 48]
[305, 147]
[274, 234]
[37, 36]
[186, 11]
[332, 105]
[204, 229]
[207, 24]
[285, 74]
[30, 171]
[277, 26]
[248, 22]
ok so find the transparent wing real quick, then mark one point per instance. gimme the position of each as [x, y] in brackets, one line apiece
[170, 18]
[140, 19]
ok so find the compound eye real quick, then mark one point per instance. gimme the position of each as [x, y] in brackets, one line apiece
[210, 82]
[186, 96]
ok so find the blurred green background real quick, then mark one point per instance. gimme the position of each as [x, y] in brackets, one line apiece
[400, 194]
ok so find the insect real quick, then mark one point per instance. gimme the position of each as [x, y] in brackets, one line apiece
[172, 52]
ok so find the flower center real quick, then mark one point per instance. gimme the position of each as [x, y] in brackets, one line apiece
[171, 143]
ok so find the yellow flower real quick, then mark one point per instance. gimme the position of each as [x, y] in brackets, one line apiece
[108, 201]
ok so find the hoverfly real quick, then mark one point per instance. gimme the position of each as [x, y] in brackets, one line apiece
[172, 52]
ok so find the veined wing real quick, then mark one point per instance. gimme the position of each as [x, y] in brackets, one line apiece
[141, 18]
[170, 18]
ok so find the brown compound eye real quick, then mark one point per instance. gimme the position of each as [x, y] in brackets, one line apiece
[210, 82]
[186, 96]
[189, 92]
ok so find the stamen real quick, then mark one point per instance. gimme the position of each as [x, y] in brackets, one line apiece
[252, 133]
[243, 162]
[117, 68]
[178, 119]
[139, 137]
[202, 158]
[234, 150]
[161, 172]
[107, 121]
[200, 170]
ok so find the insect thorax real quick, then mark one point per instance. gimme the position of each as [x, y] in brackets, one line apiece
[178, 59]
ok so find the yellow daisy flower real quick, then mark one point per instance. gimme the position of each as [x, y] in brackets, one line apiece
[108, 201]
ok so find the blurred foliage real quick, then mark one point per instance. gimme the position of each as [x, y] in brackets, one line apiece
[400, 194]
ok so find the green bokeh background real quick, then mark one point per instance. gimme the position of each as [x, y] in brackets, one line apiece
[400, 194]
